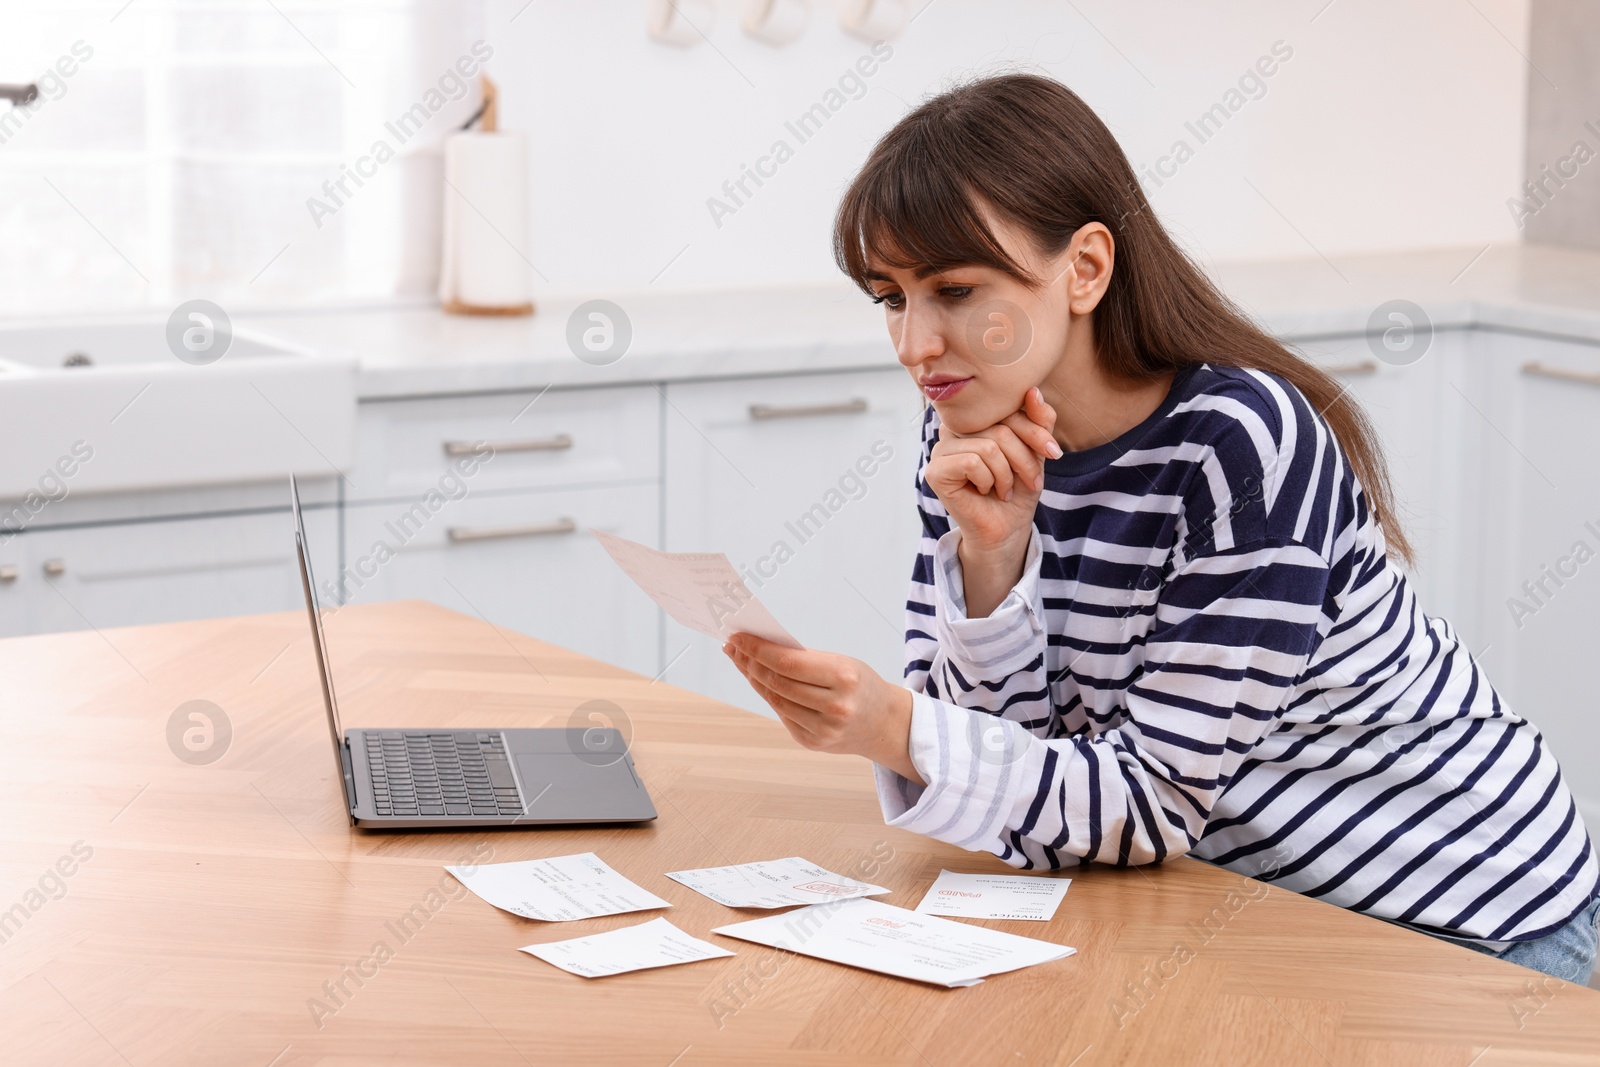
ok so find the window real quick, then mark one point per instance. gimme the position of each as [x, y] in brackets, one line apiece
[184, 148]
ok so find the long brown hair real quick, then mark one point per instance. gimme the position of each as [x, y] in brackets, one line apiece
[1030, 150]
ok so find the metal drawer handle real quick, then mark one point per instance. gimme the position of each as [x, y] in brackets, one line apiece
[459, 534]
[1561, 373]
[8, 572]
[1344, 370]
[527, 444]
[55, 568]
[805, 411]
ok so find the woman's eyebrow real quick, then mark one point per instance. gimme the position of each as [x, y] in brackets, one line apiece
[927, 270]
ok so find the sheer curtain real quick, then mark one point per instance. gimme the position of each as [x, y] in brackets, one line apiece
[255, 152]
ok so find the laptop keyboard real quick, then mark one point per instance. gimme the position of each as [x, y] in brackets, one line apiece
[459, 772]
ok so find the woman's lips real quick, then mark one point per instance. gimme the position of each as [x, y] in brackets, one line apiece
[943, 388]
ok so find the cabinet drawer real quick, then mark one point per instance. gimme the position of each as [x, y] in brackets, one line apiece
[523, 561]
[127, 574]
[563, 437]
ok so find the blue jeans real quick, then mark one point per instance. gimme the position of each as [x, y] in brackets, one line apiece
[1566, 953]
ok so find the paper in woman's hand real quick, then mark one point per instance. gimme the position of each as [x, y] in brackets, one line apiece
[701, 590]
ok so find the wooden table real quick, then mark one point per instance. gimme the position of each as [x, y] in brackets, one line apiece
[221, 901]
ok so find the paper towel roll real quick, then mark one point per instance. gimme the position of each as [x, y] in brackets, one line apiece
[484, 269]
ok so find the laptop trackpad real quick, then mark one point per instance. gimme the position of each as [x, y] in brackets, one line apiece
[559, 786]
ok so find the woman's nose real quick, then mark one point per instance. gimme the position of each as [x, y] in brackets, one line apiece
[920, 338]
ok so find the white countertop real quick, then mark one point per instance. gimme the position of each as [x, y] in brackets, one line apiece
[422, 351]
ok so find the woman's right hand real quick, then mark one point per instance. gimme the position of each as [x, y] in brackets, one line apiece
[989, 482]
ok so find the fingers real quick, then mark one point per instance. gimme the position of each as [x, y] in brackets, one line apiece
[1002, 478]
[1038, 411]
[1019, 455]
[997, 475]
[995, 478]
[788, 714]
[953, 470]
[793, 717]
[808, 696]
[801, 736]
[823, 670]
[1010, 450]
[1033, 426]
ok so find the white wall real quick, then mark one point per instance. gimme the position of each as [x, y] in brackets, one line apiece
[1563, 206]
[1393, 125]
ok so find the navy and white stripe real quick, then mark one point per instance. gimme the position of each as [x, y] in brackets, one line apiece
[1210, 652]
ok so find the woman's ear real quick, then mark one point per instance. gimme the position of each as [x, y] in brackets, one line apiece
[1086, 267]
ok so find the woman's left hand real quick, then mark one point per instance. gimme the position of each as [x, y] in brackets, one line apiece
[829, 702]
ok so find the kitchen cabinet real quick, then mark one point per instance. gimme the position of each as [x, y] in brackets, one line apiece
[15, 614]
[1538, 509]
[523, 561]
[484, 503]
[123, 574]
[537, 439]
[806, 483]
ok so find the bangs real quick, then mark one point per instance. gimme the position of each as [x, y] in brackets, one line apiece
[908, 209]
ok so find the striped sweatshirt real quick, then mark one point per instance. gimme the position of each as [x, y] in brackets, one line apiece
[1209, 652]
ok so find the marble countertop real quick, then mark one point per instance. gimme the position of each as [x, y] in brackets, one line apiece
[420, 351]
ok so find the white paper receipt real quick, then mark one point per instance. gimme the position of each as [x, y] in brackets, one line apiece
[701, 590]
[558, 889]
[994, 896]
[878, 937]
[773, 884]
[656, 943]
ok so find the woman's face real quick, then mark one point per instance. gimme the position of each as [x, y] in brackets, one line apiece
[976, 339]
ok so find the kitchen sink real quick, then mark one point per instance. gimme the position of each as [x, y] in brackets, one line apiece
[114, 390]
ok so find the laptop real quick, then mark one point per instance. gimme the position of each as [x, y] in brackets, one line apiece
[405, 779]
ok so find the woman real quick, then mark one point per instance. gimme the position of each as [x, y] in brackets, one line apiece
[1158, 607]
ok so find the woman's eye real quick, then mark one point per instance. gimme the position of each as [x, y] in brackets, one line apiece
[893, 300]
[955, 292]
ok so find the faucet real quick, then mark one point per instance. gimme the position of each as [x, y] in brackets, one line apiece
[19, 94]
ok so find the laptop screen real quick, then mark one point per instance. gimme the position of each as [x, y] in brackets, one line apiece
[319, 642]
